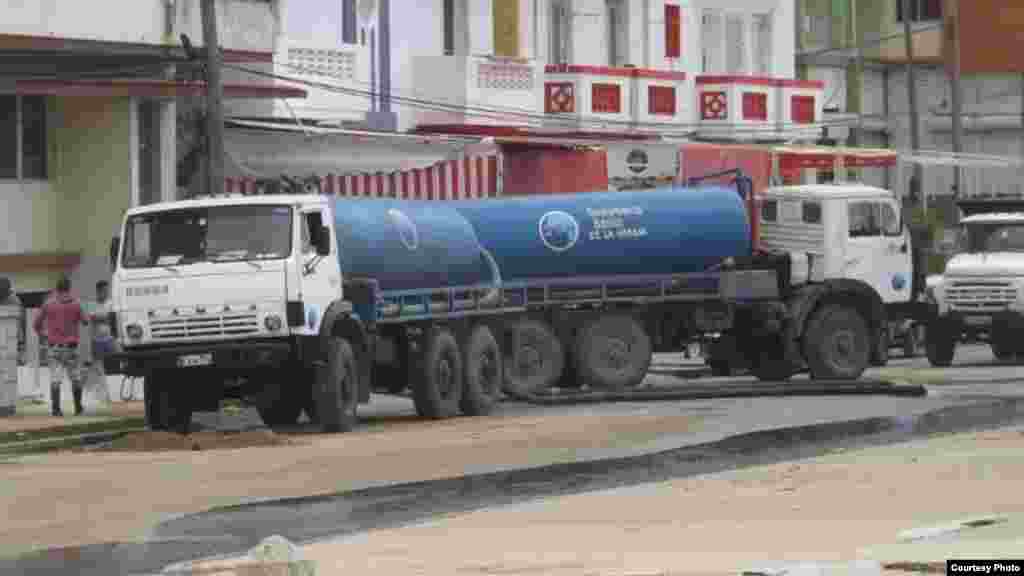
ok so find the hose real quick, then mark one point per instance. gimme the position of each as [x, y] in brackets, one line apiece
[707, 392]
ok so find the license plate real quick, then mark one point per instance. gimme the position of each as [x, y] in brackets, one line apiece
[192, 360]
[978, 320]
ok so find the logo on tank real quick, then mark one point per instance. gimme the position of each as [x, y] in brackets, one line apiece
[559, 230]
[899, 282]
[405, 227]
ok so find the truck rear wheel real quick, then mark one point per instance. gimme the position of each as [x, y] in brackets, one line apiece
[613, 352]
[438, 393]
[836, 343]
[535, 360]
[337, 390]
[482, 365]
[940, 344]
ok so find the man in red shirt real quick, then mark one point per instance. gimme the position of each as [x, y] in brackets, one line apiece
[60, 317]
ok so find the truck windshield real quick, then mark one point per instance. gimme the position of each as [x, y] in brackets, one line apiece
[214, 234]
[1001, 237]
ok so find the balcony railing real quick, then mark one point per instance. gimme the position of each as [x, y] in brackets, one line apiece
[619, 98]
[477, 90]
[757, 108]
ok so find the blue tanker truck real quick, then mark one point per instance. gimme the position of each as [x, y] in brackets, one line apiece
[309, 303]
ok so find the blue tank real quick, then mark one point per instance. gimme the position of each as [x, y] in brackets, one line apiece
[407, 245]
[669, 230]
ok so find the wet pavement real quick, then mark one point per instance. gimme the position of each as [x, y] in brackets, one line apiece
[232, 530]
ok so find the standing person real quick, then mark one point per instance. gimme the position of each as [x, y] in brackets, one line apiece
[61, 316]
[102, 340]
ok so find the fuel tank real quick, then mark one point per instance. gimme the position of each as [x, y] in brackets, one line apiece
[407, 245]
[668, 230]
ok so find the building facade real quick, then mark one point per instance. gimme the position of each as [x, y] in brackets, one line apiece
[89, 115]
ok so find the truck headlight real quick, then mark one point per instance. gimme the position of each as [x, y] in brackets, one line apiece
[273, 322]
[133, 331]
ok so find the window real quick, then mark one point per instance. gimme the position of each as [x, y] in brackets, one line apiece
[311, 228]
[27, 150]
[770, 211]
[348, 21]
[8, 136]
[890, 220]
[505, 23]
[559, 48]
[920, 10]
[811, 213]
[618, 29]
[673, 31]
[864, 219]
[448, 26]
[735, 44]
[762, 30]
[711, 41]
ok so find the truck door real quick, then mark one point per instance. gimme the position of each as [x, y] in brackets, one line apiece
[877, 251]
[320, 275]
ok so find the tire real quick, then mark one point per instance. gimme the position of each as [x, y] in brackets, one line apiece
[153, 402]
[836, 343]
[880, 357]
[720, 368]
[438, 392]
[535, 361]
[482, 372]
[940, 347]
[613, 352]
[279, 404]
[337, 390]
[1002, 350]
[768, 361]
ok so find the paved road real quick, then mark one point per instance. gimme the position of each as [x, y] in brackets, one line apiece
[392, 449]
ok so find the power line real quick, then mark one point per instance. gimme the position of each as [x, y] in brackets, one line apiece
[673, 128]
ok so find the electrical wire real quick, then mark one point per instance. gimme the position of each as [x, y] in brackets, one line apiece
[675, 128]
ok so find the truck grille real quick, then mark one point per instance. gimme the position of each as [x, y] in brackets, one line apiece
[206, 325]
[981, 295]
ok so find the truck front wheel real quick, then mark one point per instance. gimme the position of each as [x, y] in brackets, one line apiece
[168, 404]
[940, 344]
[337, 389]
[836, 343]
[279, 404]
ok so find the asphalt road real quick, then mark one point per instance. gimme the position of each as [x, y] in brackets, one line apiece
[734, 433]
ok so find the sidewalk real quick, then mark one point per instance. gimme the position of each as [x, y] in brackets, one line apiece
[837, 508]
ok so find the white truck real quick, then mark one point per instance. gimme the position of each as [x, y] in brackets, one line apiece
[246, 296]
[980, 295]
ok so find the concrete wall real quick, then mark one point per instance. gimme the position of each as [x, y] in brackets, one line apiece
[243, 24]
[92, 181]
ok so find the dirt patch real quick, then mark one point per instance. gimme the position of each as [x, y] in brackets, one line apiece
[205, 440]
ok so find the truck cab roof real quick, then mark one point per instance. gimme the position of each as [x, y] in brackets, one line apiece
[232, 200]
[848, 190]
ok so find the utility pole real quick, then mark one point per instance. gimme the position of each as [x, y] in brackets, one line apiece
[956, 103]
[854, 75]
[214, 102]
[916, 187]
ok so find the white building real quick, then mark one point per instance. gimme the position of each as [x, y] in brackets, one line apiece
[88, 120]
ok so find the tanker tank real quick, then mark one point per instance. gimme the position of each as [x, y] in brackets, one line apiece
[669, 230]
[408, 245]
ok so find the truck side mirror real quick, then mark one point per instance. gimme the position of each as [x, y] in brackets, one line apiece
[115, 247]
[323, 241]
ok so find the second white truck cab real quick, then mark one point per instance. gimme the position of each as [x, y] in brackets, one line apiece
[980, 296]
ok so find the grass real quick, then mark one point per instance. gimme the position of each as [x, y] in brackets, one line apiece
[57, 432]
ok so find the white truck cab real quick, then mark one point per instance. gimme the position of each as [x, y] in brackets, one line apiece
[240, 283]
[847, 231]
[980, 296]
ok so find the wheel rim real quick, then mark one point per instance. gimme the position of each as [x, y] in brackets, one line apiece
[445, 377]
[529, 361]
[843, 348]
[615, 353]
[487, 372]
